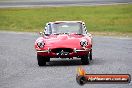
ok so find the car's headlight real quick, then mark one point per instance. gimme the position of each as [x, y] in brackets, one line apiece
[40, 44]
[83, 43]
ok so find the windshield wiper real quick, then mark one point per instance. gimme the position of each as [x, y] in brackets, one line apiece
[59, 33]
[55, 33]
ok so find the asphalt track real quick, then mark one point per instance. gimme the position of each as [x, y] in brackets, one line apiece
[19, 69]
[39, 3]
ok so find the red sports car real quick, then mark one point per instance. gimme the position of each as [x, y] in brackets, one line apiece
[64, 39]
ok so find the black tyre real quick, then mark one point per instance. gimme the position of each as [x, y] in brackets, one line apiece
[41, 60]
[47, 59]
[91, 55]
[85, 59]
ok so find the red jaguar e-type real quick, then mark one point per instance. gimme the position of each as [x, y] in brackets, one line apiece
[64, 39]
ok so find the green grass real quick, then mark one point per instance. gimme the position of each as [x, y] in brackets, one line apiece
[113, 18]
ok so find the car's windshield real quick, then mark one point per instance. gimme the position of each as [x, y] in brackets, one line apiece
[65, 27]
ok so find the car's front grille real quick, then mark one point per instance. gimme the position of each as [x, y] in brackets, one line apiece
[58, 50]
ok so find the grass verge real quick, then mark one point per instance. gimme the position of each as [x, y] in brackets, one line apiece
[98, 19]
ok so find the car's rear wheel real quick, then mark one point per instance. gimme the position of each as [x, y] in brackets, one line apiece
[85, 59]
[41, 60]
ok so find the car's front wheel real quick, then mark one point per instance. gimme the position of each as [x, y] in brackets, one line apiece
[91, 54]
[42, 60]
[85, 59]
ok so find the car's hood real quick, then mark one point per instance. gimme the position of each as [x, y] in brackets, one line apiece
[63, 41]
[64, 37]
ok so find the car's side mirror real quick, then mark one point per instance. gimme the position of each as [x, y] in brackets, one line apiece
[90, 35]
[41, 33]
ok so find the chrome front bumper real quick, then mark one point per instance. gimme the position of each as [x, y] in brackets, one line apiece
[74, 50]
